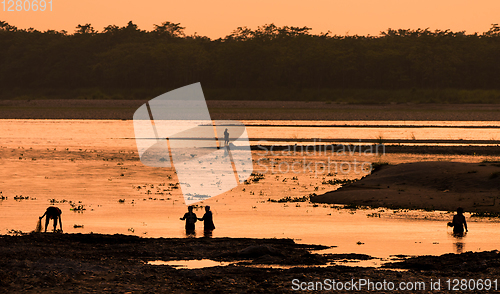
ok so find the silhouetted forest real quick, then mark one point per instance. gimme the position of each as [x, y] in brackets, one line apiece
[282, 62]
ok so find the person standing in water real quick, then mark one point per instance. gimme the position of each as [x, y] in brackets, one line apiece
[459, 222]
[190, 218]
[207, 220]
[226, 137]
[53, 213]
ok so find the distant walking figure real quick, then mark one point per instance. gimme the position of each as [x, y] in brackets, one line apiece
[208, 220]
[226, 137]
[53, 213]
[191, 219]
[459, 222]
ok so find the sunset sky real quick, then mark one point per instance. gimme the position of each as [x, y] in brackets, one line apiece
[217, 18]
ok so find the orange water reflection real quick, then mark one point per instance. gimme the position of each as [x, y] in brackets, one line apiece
[87, 162]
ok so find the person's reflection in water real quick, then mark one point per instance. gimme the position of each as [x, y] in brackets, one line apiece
[459, 246]
[208, 222]
[190, 234]
[190, 218]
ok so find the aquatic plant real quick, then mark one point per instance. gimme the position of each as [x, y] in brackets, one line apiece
[351, 206]
[16, 232]
[54, 201]
[77, 208]
[254, 178]
[337, 182]
[290, 199]
[21, 197]
[486, 214]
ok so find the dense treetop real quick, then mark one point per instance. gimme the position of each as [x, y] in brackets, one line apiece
[268, 57]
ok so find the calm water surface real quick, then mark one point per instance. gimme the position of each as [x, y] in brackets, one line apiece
[94, 163]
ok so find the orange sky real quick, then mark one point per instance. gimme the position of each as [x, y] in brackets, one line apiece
[217, 18]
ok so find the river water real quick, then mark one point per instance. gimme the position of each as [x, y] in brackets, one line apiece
[94, 164]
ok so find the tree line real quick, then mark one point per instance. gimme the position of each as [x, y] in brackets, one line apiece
[269, 57]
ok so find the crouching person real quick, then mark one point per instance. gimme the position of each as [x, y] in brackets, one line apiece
[53, 213]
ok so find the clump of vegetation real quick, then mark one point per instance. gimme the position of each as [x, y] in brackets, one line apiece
[77, 208]
[351, 206]
[254, 178]
[337, 182]
[54, 201]
[121, 200]
[290, 199]
[21, 197]
[485, 214]
[16, 232]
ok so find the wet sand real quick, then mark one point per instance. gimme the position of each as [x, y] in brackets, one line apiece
[78, 263]
[425, 185]
[254, 110]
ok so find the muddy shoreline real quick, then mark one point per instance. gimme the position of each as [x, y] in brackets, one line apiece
[424, 185]
[254, 110]
[76, 263]
[371, 148]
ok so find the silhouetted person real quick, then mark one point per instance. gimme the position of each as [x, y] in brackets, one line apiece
[226, 137]
[191, 219]
[53, 213]
[459, 222]
[207, 221]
